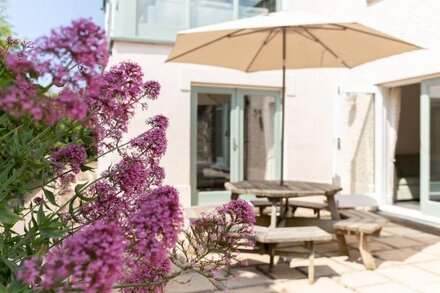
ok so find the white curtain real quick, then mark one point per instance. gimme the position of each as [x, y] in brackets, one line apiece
[268, 122]
[393, 104]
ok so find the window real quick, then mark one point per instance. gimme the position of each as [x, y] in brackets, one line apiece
[161, 20]
[248, 8]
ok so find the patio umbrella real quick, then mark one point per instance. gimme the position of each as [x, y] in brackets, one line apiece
[285, 40]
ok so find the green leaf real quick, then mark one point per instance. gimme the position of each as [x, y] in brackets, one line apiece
[46, 233]
[85, 168]
[80, 195]
[79, 187]
[11, 265]
[7, 216]
[40, 215]
[36, 164]
[50, 196]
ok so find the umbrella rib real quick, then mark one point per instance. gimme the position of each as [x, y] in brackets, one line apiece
[266, 41]
[204, 45]
[293, 30]
[326, 47]
[327, 28]
[251, 32]
[375, 35]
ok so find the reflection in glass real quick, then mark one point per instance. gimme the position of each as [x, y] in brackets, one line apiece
[259, 153]
[250, 8]
[205, 12]
[170, 13]
[213, 141]
[434, 163]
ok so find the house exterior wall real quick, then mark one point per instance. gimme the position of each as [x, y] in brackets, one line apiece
[312, 95]
[308, 114]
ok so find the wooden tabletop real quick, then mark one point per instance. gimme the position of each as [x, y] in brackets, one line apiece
[275, 190]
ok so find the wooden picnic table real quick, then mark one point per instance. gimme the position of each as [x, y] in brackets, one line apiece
[275, 193]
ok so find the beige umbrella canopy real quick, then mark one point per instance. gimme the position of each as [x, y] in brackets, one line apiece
[285, 40]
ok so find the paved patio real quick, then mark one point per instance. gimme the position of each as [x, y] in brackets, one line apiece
[408, 261]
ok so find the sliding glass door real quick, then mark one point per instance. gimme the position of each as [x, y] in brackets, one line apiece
[235, 136]
[430, 147]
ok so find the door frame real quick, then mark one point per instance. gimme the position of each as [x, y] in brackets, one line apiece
[236, 135]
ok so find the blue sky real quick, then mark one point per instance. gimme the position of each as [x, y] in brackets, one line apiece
[33, 18]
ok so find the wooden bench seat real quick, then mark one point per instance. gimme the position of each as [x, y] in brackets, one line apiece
[313, 205]
[362, 224]
[268, 238]
[261, 204]
[293, 204]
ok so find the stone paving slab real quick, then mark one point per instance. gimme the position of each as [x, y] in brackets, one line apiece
[408, 260]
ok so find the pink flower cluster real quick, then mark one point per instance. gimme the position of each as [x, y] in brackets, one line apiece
[224, 229]
[156, 224]
[72, 57]
[20, 98]
[107, 206]
[91, 260]
[239, 211]
[113, 99]
[30, 271]
[67, 162]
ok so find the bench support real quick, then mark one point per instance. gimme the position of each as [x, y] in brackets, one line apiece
[272, 247]
[342, 244]
[364, 249]
[311, 272]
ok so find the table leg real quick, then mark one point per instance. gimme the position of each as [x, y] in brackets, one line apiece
[332, 207]
[273, 215]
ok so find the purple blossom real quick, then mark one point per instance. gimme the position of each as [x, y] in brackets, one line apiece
[141, 271]
[29, 271]
[75, 54]
[92, 259]
[157, 223]
[153, 141]
[72, 156]
[223, 230]
[11, 41]
[19, 63]
[19, 99]
[107, 206]
[158, 121]
[72, 104]
[239, 210]
[152, 89]
[38, 200]
[112, 100]
[131, 175]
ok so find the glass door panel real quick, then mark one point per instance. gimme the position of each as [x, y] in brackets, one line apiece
[434, 136]
[213, 141]
[235, 135]
[430, 147]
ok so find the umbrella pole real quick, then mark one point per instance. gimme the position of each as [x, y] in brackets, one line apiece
[283, 109]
